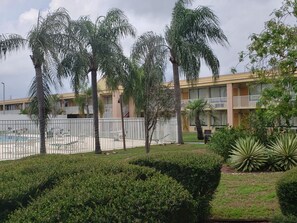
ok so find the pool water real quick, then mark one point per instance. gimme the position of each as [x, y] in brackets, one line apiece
[12, 138]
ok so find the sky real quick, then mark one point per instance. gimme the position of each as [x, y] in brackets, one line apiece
[238, 19]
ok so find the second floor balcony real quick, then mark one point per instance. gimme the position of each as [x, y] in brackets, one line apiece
[246, 101]
[216, 103]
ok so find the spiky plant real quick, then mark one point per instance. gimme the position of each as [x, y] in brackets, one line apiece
[248, 154]
[284, 152]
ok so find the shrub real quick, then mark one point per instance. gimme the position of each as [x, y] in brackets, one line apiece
[199, 174]
[222, 140]
[248, 154]
[92, 191]
[284, 219]
[284, 152]
[286, 191]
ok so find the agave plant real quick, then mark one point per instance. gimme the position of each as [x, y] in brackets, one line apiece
[284, 152]
[248, 154]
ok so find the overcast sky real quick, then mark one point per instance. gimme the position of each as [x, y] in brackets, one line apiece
[238, 18]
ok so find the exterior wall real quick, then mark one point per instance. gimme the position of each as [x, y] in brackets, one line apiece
[236, 88]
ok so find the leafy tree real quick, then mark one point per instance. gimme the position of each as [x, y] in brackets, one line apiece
[273, 56]
[83, 99]
[195, 109]
[145, 83]
[188, 37]
[45, 40]
[96, 47]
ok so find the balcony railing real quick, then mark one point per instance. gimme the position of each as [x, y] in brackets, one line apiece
[247, 101]
[75, 109]
[219, 102]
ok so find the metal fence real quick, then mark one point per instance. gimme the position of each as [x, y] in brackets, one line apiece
[20, 138]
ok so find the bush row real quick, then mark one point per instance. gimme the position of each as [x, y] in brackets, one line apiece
[78, 189]
[199, 174]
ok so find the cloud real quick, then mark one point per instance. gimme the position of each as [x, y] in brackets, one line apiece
[239, 19]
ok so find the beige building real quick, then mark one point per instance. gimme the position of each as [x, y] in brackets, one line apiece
[232, 97]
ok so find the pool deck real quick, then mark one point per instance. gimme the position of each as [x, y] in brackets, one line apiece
[61, 145]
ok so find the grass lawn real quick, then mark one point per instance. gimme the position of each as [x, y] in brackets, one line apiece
[190, 137]
[239, 195]
[246, 196]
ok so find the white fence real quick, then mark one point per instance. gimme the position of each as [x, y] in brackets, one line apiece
[20, 138]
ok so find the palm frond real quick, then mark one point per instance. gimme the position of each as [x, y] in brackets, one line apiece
[10, 42]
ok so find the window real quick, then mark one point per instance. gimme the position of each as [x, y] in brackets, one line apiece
[218, 92]
[256, 90]
[218, 118]
[198, 93]
[203, 120]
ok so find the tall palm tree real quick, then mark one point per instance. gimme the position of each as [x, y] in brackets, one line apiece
[96, 47]
[188, 37]
[45, 40]
[195, 109]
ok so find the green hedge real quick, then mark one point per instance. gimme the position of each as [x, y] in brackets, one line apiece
[284, 219]
[287, 192]
[85, 190]
[23, 180]
[199, 174]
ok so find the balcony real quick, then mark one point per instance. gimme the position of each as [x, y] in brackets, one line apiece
[75, 109]
[216, 103]
[247, 101]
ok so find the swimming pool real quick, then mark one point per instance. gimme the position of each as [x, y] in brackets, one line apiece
[13, 138]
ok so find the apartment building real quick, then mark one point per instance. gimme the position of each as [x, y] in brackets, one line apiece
[232, 97]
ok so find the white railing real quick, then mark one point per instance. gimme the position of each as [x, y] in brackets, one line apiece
[20, 138]
[247, 101]
[13, 112]
[218, 102]
[75, 109]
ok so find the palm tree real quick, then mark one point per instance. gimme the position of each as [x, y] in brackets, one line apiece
[10, 42]
[145, 82]
[96, 47]
[45, 40]
[83, 99]
[195, 109]
[188, 38]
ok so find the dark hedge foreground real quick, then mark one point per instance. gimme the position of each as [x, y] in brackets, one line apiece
[55, 188]
[287, 193]
[199, 174]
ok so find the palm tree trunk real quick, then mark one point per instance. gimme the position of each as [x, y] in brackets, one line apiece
[198, 128]
[122, 120]
[147, 136]
[41, 108]
[177, 102]
[95, 111]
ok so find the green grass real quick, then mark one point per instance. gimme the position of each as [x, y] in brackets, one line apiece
[246, 196]
[239, 195]
[190, 137]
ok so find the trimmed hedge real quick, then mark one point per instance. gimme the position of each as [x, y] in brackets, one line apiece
[284, 219]
[286, 190]
[85, 190]
[199, 174]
